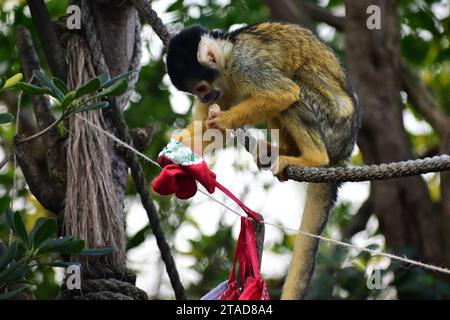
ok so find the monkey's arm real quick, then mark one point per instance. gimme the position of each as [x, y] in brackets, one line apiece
[268, 93]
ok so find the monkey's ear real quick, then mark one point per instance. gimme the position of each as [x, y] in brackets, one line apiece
[209, 53]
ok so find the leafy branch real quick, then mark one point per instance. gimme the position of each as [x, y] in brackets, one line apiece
[73, 102]
[15, 266]
[87, 97]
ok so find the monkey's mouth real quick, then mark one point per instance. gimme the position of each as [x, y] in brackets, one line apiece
[212, 96]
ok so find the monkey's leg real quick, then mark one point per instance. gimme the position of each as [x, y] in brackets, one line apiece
[265, 153]
[312, 151]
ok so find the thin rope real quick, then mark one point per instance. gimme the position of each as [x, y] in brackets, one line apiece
[329, 240]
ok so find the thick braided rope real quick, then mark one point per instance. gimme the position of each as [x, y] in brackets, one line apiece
[370, 172]
[129, 157]
[352, 173]
[103, 282]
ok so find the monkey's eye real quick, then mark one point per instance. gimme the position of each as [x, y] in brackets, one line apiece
[202, 88]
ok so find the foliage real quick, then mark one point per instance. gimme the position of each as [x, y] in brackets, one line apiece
[28, 248]
[6, 83]
[79, 100]
[16, 267]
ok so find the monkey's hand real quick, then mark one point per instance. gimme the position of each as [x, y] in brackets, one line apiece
[218, 119]
[278, 167]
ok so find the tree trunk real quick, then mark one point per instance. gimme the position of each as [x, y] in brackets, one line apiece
[403, 206]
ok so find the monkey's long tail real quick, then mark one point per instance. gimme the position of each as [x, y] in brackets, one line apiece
[320, 198]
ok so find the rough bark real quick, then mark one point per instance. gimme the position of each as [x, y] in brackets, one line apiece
[116, 23]
[403, 206]
[445, 202]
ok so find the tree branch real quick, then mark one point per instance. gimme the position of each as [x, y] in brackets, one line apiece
[49, 40]
[321, 14]
[141, 137]
[360, 219]
[53, 141]
[285, 10]
[422, 99]
[38, 181]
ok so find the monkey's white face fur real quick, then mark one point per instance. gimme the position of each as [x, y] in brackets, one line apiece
[214, 53]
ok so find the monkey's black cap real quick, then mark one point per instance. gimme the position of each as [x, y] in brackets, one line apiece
[182, 65]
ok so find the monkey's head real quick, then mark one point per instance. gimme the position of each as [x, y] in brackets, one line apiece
[193, 63]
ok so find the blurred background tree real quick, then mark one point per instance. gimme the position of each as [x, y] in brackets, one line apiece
[402, 76]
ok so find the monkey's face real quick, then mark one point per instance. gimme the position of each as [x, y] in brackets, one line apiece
[185, 70]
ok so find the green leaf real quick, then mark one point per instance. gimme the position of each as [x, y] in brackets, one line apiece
[32, 89]
[96, 252]
[116, 89]
[73, 246]
[15, 271]
[60, 84]
[10, 220]
[2, 82]
[9, 255]
[91, 86]
[12, 81]
[12, 294]
[177, 5]
[62, 264]
[51, 244]
[68, 99]
[43, 230]
[46, 82]
[62, 245]
[104, 77]
[21, 231]
[95, 106]
[6, 118]
[117, 78]
[138, 238]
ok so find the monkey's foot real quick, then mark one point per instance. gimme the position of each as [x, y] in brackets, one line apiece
[283, 161]
[278, 167]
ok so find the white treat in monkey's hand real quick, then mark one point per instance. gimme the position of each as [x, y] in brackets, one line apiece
[213, 111]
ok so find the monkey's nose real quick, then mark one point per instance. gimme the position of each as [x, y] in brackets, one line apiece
[212, 96]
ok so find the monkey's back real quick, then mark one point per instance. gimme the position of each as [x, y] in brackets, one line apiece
[327, 102]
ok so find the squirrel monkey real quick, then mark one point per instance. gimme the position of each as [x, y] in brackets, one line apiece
[283, 75]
